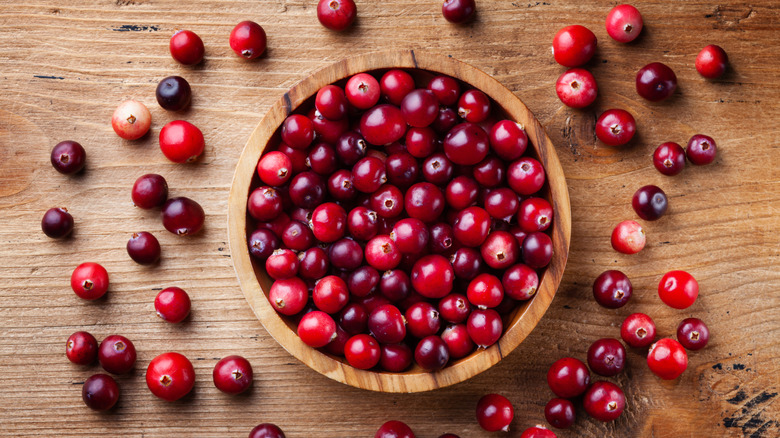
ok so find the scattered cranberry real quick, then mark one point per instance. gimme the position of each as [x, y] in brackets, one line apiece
[458, 11]
[667, 359]
[117, 354]
[526, 176]
[656, 82]
[383, 124]
[606, 357]
[81, 348]
[628, 237]
[537, 432]
[573, 46]
[669, 158]
[638, 330]
[183, 216]
[288, 296]
[316, 329]
[624, 23]
[649, 203]
[577, 88]
[363, 91]
[604, 401]
[560, 413]
[712, 61]
[274, 168]
[172, 304]
[248, 39]
[232, 375]
[568, 377]
[149, 191]
[484, 327]
[174, 93]
[336, 14]
[396, 357]
[143, 248]
[394, 429]
[57, 223]
[612, 289]
[266, 430]
[701, 150]
[131, 120]
[678, 289]
[68, 157]
[181, 142]
[494, 413]
[537, 250]
[693, 334]
[615, 127]
[362, 352]
[170, 376]
[100, 392]
[186, 47]
[89, 281]
[520, 282]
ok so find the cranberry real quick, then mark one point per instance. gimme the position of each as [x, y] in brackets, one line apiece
[328, 130]
[656, 82]
[394, 429]
[560, 413]
[471, 226]
[307, 190]
[508, 139]
[520, 282]
[401, 169]
[431, 353]
[181, 142]
[712, 62]
[345, 254]
[297, 236]
[117, 354]
[330, 294]
[489, 172]
[678, 289]
[131, 120]
[612, 289]
[604, 401]
[701, 150]
[485, 291]
[353, 318]
[336, 14]
[89, 281]
[395, 357]
[624, 23]
[432, 276]
[183, 216]
[577, 88]
[638, 330]
[232, 375]
[369, 174]
[410, 235]
[316, 329]
[170, 376]
[437, 169]
[173, 93]
[363, 281]
[421, 142]
[606, 357]
[275, 168]
[172, 304]
[628, 237]
[446, 89]
[568, 377]
[573, 46]
[149, 191]
[100, 392]
[669, 158]
[362, 351]
[362, 91]
[445, 120]
[424, 201]
[387, 324]
[474, 106]
[667, 359]
[458, 341]
[420, 108]
[186, 47]
[266, 430]
[68, 157]
[328, 222]
[454, 308]
[537, 432]
[340, 185]
[462, 192]
[288, 296]
[466, 144]
[615, 127]
[466, 263]
[297, 158]
[422, 320]
[395, 85]
[283, 263]
[693, 334]
[363, 224]
[458, 11]
[494, 413]
[57, 223]
[526, 176]
[535, 215]
[484, 327]
[81, 348]
[248, 39]
[297, 131]
[500, 250]
[383, 124]
[264, 204]
[331, 102]
[649, 203]
[387, 201]
[537, 250]
[143, 248]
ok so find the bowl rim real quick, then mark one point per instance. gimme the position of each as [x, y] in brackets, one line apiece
[522, 323]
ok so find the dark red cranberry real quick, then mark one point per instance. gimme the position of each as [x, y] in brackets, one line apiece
[577, 88]
[183, 216]
[669, 158]
[363, 224]
[362, 91]
[712, 62]
[432, 276]
[297, 131]
[466, 263]
[424, 201]
[297, 236]
[500, 250]
[143, 248]
[458, 342]
[466, 144]
[485, 291]
[431, 353]
[495, 413]
[297, 158]
[172, 304]
[313, 263]
[81, 348]
[560, 413]
[485, 327]
[471, 226]
[446, 89]
[283, 263]
[383, 124]
[89, 281]
[150, 191]
[454, 308]
[100, 392]
[606, 357]
[322, 159]
[345, 254]
[421, 142]
[420, 108]
[354, 318]
[537, 250]
[526, 176]
[624, 23]
[401, 169]
[340, 185]
[117, 354]
[410, 235]
[248, 39]
[68, 157]
[363, 281]
[445, 120]
[656, 82]
[649, 203]
[573, 46]
[186, 47]
[316, 329]
[462, 192]
[520, 282]
[615, 127]
[604, 401]
[458, 11]
[336, 346]
[568, 377]
[368, 174]
[350, 148]
[693, 334]
[394, 429]
[437, 169]
[628, 237]
[442, 238]
[174, 93]
[288, 296]
[57, 223]
[612, 289]
[232, 375]
[372, 301]
[396, 357]
[489, 172]
[508, 139]
[307, 190]
[336, 14]
[422, 320]
[328, 222]
[701, 150]
[535, 214]
[266, 430]
[638, 330]
[387, 324]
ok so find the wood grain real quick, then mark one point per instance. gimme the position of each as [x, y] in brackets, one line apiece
[67, 64]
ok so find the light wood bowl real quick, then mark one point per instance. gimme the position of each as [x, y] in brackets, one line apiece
[255, 283]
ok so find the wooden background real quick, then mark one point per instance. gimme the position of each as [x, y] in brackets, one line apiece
[65, 65]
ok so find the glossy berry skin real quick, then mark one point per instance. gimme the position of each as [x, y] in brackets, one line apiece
[604, 401]
[471, 226]
[289, 296]
[314, 263]
[535, 214]
[394, 429]
[336, 14]
[143, 248]
[560, 413]
[474, 106]
[362, 351]
[568, 377]
[520, 282]
[383, 124]
[131, 120]
[458, 11]
[68, 157]
[667, 359]
[387, 201]
[297, 131]
[577, 88]
[537, 250]
[485, 291]
[649, 202]
[712, 62]
[330, 294]
[607, 357]
[274, 168]
[573, 46]
[186, 47]
[181, 142]
[500, 250]
[421, 142]
[656, 82]
[89, 281]
[525, 176]
[489, 172]
[316, 329]
[612, 289]
[57, 223]
[462, 192]
[454, 308]
[638, 330]
[615, 127]
[424, 201]
[459, 343]
[363, 91]
[431, 353]
[353, 318]
[170, 376]
[466, 144]
[669, 158]
[701, 150]
[396, 357]
[693, 334]
[411, 236]
[331, 102]
[395, 85]
[446, 89]
[502, 204]
[387, 324]
[537, 432]
[345, 254]
[369, 174]
[248, 40]
[484, 327]
[183, 216]
[508, 139]
[172, 304]
[432, 276]
[81, 348]
[402, 169]
[420, 108]
[266, 430]
[307, 190]
[495, 413]
[264, 204]
[232, 375]
[624, 23]
[329, 222]
[678, 289]
[173, 93]
[117, 354]
[149, 191]
[100, 392]
[628, 237]
[362, 223]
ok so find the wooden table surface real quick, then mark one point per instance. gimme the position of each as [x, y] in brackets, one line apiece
[67, 64]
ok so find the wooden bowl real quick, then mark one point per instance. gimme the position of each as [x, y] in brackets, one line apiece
[255, 282]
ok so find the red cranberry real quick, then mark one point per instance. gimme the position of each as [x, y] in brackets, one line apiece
[81, 348]
[316, 329]
[394, 429]
[410, 235]
[173, 93]
[170, 376]
[314, 263]
[568, 377]
[537, 432]
[577, 88]
[656, 82]
[649, 203]
[420, 108]
[624, 23]
[382, 253]
[669, 158]
[264, 204]
[445, 120]
[266, 430]
[462, 192]
[537, 250]
[116, 354]
[500, 250]
[485, 291]
[172, 304]
[362, 223]
[340, 185]
[471, 226]
[526, 176]
[615, 127]
[437, 169]
[693, 334]
[68, 157]
[508, 139]
[446, 89]
[181, 142]
[387, 201]
[297, 236]
[612, 289]
[494, 413]
[143, 248]
[560, 413]
[345, 254]
[466, 144]
[368, 174]
[328, 222]
[362, 91]
[638, 330]
[307, 190]
[401, 169]
[432, 276]
[297, 131]
[57, 223]
[422, 320]
[520, 282]
[701, 150]
[604, 401]
[186, 47]
[466, 263]
[283, 263]
[297, 158]
[454, 308]
[421, 142]
[424, 201]
[489, 172]
[458, 341]
[150, 191]
[395, 85]
[288, 296]
[628, 237]
[336, 14]
[387, 324]
[535, 215]
[383, 124]
[248, 39]
[395, 357]
[678, 289]
[350, 148]
[667, 359]
[322, 159]
[712, 62]
[183, 216]
[232, 375]
[89, 281]
[431, 353]
[573, 46]
[484, 327]
[131, 120]
[474, 106]
[331, 101]
[606, 357]
[363, 281]
[362, 351]
[100, 392]
[458, 11]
